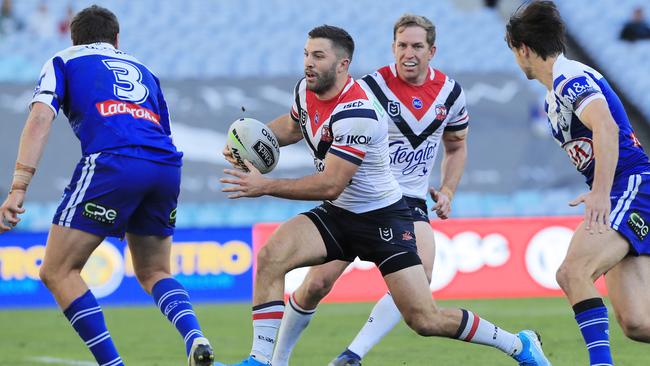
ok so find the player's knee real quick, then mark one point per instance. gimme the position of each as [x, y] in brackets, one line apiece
[46, 276]
[566, 275]
[50, 275]
[269, 261]
[635, 326]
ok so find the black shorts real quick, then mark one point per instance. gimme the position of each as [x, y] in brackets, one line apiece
[385, 236]
[418, 208]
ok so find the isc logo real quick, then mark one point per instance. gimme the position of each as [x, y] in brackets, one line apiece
[356, 104]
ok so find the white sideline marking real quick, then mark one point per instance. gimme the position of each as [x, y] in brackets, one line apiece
[61, 361]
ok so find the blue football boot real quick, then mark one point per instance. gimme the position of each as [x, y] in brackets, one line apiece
[531, 354]
[346, 358]
[250, 361]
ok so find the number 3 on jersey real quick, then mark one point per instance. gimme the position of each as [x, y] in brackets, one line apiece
[128, 81]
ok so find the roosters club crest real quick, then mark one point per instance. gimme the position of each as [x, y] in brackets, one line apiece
[326, 134]
[441, 112]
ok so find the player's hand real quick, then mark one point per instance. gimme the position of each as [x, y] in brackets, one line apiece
[597, 209]
[10, 209]
[227, 154]
[251, 184]
[443, 203]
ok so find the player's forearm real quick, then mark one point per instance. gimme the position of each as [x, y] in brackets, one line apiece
[32, 143]
[310, 188]
[33, 140]
[452, 167]
[606, 157]
[286, 131]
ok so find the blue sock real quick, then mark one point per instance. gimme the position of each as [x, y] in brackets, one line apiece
[591, 315]
[174, 302]
[87, 319]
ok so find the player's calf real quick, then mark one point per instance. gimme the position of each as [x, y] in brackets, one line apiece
[312, 291]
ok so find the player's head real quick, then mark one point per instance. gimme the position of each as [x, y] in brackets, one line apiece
[414, 38]
[535, 30]
[94, 24]
[328, 53]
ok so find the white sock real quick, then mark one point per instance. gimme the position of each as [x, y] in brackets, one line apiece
[266, 321]
[382, 319]
[294, 322]
[474, 329]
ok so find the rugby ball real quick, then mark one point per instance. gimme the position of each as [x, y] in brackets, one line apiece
[250, 139]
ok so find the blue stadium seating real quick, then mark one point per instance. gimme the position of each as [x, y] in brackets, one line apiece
[203, 39]
[596, 26]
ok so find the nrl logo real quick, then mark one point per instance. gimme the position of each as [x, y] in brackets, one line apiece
[386, 234]
[394, 109]
[303, 117]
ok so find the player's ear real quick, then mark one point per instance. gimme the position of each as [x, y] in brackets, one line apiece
[117, 41]
[432, 52]
[344, 63]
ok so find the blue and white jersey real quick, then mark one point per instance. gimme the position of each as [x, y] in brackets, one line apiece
[113, 103]
[575, 85]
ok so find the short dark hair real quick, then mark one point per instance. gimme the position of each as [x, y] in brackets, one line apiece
[94, 24]
[340, 38]
[539, 26]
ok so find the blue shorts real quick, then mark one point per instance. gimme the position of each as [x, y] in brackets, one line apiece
[631, 211]
[110, 194]
[385, 236]
[418, 208]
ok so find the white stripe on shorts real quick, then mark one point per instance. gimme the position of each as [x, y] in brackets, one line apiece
[624, 202]
[78, 195]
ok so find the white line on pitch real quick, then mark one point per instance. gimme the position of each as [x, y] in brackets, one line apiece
[61, 361]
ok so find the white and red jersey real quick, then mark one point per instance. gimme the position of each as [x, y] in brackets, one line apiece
[418, 116]
[350, 127]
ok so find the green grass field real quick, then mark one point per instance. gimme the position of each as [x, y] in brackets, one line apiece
[143, 336]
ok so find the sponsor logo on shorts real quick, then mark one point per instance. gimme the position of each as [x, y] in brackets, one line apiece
[172, 217]
[265, 152]
[638, 225]
[386, 234]
[407, 235]
[99, 213]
